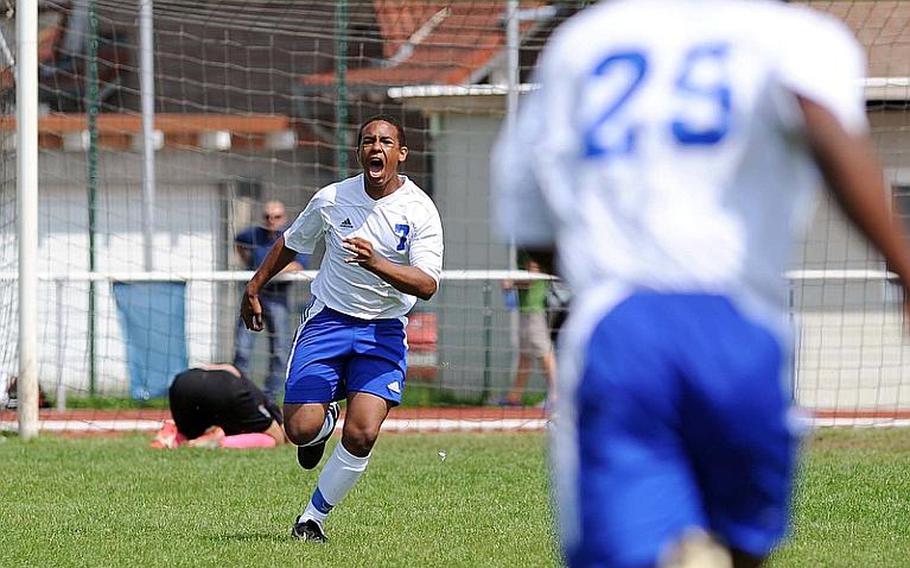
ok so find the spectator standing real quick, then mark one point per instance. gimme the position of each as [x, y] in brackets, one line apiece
[534, 342]
[252, 246]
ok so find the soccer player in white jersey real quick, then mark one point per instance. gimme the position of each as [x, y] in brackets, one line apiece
[668, 156]
[383, 250]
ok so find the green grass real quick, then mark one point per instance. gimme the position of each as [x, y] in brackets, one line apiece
[114, 502]
[114, 402]
[416, 395]
[852, 501]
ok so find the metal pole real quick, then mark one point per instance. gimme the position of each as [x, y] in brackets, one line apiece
[61, 352]
[512, 71]
[487, 340]
[91, 78]
[794, 363]
[341, 99]
[147, 96]
[512, 79]
[27, 199]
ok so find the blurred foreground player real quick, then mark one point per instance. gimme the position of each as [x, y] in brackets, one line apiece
[383, 250]
[217, 406]
[670, 160]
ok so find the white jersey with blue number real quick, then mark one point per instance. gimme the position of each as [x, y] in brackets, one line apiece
[664, 149]
[403, 227]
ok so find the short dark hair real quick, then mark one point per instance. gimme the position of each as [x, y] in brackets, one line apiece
[385, 118]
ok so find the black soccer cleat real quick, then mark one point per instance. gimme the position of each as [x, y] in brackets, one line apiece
[308, 456]
[308, 530]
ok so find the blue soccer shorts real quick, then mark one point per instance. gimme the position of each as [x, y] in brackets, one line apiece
[681, 421]
[335, 354]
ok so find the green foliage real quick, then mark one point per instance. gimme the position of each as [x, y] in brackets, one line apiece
[114, 402]
[421, 395]
[415, 395]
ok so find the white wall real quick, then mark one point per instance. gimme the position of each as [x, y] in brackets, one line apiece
[474, 326]
[852, 353]
[186, 229]
[195, 218]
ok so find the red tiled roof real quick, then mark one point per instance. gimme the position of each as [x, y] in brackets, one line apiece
[463, 40]
[470, 36]
[399, 19]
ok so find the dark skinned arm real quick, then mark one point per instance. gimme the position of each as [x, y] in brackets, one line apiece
[278, 258]
[408, 279]
[854, 178]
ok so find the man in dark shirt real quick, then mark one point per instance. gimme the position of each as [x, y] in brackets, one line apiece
[252, 245]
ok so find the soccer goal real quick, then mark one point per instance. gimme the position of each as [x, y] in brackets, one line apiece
[145, 184]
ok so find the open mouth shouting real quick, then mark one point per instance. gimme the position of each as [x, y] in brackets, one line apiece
[380, 155]
[376, 167]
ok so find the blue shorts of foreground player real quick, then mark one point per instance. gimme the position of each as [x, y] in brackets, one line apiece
[683, 421]
[335, 354]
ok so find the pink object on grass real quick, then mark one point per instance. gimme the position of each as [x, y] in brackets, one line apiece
[244, 441]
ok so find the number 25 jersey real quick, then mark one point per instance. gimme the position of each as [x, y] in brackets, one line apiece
[664, 149]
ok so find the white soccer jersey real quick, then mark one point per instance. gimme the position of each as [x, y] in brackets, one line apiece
[403, 227]
[664, 149]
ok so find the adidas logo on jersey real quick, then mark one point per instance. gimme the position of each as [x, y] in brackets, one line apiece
[346, 224]
[393, 386]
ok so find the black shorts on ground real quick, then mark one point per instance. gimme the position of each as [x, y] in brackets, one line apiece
[200, 399]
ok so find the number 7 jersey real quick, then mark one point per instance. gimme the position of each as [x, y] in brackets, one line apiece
[404, 227]
[665, 148]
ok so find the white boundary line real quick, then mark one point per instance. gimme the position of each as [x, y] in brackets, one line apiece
[391, 425]
[860, 422]
[88, 425]
[414, 424]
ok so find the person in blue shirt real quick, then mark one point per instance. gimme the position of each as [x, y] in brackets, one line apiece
[252, 246]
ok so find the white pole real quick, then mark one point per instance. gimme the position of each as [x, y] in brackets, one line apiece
[512, 78]
[147, 97]
[61, 351]
[27, 198]
[512, 75]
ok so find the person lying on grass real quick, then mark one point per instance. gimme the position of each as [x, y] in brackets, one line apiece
[217, 406]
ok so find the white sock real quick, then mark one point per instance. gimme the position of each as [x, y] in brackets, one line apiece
[340, 473]
[328, 426]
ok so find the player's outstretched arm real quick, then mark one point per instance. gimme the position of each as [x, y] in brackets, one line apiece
[854, 177]
[408, 279]
[278, 258]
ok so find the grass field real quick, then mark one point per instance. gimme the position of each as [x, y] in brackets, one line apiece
[114, 502]
[852, 501]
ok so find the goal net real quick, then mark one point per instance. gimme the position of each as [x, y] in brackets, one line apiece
[259, 101]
